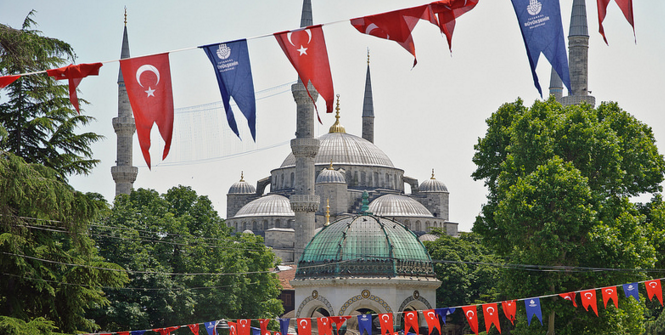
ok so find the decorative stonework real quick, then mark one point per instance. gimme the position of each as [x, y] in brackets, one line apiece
[305, 147]
[416, 294]
[359, 297]
[315, 296]
[411, 298]
[365, 294]
[304, 203]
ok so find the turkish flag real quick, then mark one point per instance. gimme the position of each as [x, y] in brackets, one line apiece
[610, 293]
[325, 326]
[395, 26]
[7, 80]
[194, 328]
[432, 320]
[411, 321]
[306, 50]
[510, 309]
[165, 331]
[653, 288]
[74, 73]
[148, 82]
[339, 321]
[304, 326]
[491, 314]
[244, 327]
[233, 328]
[386, 322]
[472, 317]
[569, 296]
[447, 11]
[264, 326]
[589, 299]
[626, 7]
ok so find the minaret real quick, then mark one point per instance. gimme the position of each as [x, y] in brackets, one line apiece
[578, 56]
[368, 107]
[124, 174]
[304, 202]
[556, 86]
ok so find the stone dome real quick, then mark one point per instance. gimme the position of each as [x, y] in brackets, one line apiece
[432, 185]
[330, 176]
[364, 246]
[269, 205]
[345, 149]
[241, 187]
[398, 205]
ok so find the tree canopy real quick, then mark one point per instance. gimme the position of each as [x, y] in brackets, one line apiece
[166, 236]
[560, 181]
[39, 121]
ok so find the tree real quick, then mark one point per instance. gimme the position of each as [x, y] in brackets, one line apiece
[38, 118]
[175, 233]
[559, 181]
[51, 272]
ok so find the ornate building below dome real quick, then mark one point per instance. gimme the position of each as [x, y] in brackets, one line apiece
[345, 166]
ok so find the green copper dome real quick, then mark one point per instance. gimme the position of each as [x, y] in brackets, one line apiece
[364, 246]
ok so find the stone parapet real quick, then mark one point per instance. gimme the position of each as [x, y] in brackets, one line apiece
[578, 99]
[304, 203]
[305, 147]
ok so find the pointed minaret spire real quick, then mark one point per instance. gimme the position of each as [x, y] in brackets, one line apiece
[368, 107]
[578, 56]
[306, 16]
[124, 174]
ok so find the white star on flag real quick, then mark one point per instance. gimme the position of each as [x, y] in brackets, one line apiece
[150, 91]
[302, 50]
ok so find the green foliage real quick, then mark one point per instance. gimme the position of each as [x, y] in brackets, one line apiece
[37, 326]
[559, 181]
[43, 218]
[38, 119]
[179, 232]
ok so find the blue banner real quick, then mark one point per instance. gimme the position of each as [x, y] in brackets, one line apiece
[234, 76]
[443, 312]
[211, 327]
[542, 31]
[365, 324]
[533, 307]
[630, 290]
[284, 326]
[137, 332]
[255, 331]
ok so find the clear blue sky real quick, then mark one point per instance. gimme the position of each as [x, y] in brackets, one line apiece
[426, 117]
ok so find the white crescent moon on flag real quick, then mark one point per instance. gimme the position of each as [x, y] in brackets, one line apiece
[371, 27]
[309, 34]
[146, 67]
[609, 290]
[490, 309]
[385, 317]
[431, 315]
[653, 284]
[567, 298]
[588, 295]
[305, 325]
[467, 314]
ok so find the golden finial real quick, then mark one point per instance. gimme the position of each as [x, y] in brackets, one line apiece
[367, 56]
[242, 176]
[337, 127]
[327, 212]
[330, 167]
[125, 16]
[432, 174]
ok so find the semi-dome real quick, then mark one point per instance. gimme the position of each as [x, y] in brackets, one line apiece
[330, 176]
[345, 149]
[269, 205]
[364, 246]
[398, 205]
[242, 187]
[432, 185]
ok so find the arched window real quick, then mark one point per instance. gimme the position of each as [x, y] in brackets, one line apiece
[254, 226]
[363, 178]
[244, 226]
[293, 180]
[281, 185]
[265, 224]
[418, 225]
[277, 224]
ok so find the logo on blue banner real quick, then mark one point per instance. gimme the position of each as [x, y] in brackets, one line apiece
[533, 307]
[234, 77]
[630, 290]
[365, 324]
[211, 327]
[542, 31]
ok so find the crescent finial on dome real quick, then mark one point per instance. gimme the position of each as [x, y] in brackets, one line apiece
[242, 176]
[432, 174]
[125, 16]
[337, 127]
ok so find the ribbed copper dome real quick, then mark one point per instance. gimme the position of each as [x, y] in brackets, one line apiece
[364, 246]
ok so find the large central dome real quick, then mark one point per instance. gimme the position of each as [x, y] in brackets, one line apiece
[345, 149]
[364, 246]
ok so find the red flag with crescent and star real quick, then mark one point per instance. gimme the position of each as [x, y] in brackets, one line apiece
[339, 321]
[653, 288]
[626, 7]
[447, 11]
[148, 82]
[432, 320]
[570, 296]
[610, 293]
[491, 314]
[7, 80]
[589, 299]
[325, 326]
[411, 321]
[509, 309]
[194, 328]
[264, 326]
[471, 317]
[306, 50]
[233, 328]
[74, 73]
[165, 331]
[304, 326]
[386, 322]
[244, 327]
